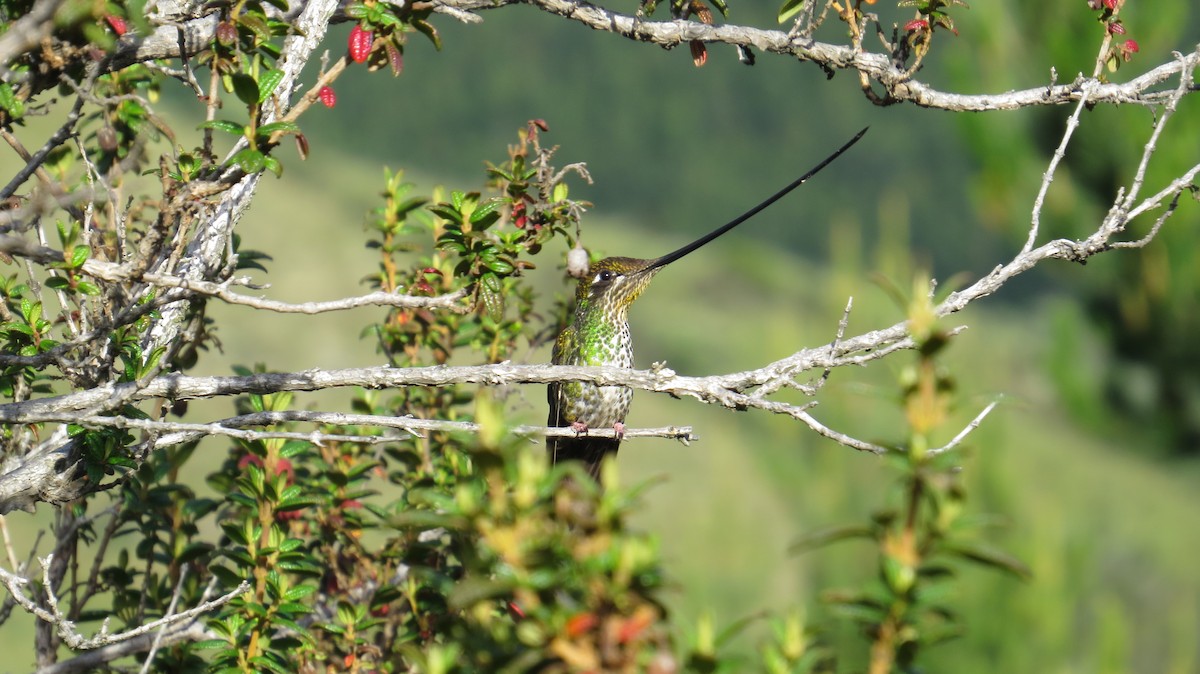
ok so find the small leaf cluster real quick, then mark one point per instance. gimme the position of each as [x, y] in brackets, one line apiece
[379, 37]
[244, 50]
[909, 44]
[1120, 51]
[481, 244]
[261, 630]
[935, 13]
[71, 281]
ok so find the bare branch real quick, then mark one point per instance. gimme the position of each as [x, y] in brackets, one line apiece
[66, 629]
[180, 432]
[877, 67]
[92, 660]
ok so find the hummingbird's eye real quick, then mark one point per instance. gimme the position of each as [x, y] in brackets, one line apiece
[604, 277]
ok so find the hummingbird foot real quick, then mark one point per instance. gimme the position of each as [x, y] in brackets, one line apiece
[619, 429]
[579, 427]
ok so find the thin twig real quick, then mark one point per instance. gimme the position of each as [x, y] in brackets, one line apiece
[965, 431]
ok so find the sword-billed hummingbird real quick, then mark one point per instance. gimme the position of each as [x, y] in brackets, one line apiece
[599, 335]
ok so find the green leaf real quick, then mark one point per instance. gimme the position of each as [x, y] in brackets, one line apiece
[427, 29]
[789, 9]
[447, 212]
[267, 83]
[268, 130]
[270, 661]
[250, 160]
[257, 24]
[298, 503]
[32, 311]
[208, 644]
[480, 215]
[823, 537]
[299, 592]
[245, 88]
[226, 575]
[291, 491]
[87, 288]
[272, 164]
[491, 297]
[9, 101]
[996, 559]
[58, 283]
[235, 532]
[293, 447]
[224, 125]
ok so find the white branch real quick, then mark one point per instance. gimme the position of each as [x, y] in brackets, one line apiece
[235, 427]
[954, 442]
[894, 77]
[66, 628]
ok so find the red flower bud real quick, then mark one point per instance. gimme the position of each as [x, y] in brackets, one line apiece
[226, 33]
[117, 24]
[916, 24]
[360, 44]
[1131, 46]
[395, 59]
[327, 96]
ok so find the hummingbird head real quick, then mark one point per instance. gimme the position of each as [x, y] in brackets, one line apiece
[615, 282]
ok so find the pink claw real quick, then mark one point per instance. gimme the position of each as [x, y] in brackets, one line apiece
[579, 427]
[620, 429]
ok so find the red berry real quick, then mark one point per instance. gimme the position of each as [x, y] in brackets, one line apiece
[360, 44]
[1131, 46]
[327, 96]
[117, 24]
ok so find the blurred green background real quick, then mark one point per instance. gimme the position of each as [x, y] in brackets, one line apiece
[1096, 486]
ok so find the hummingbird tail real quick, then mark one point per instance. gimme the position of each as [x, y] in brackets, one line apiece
[589, 451]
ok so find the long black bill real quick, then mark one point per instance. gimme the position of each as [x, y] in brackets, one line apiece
[671, 257]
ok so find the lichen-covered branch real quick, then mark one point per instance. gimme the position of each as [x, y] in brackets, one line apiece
[896, 80]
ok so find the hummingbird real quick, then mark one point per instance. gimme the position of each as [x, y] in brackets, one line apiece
[599, 335]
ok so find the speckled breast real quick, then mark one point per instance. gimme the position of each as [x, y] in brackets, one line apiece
[600, 406]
